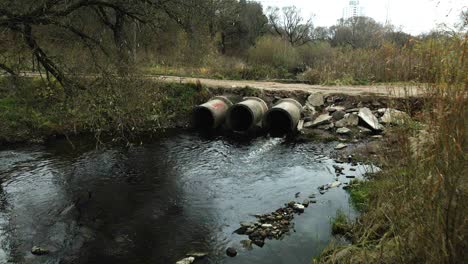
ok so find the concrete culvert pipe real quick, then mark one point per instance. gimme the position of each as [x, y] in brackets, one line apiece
[246, 114]
[211, 114]
[283, 118]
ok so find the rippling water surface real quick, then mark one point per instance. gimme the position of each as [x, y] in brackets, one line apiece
[159, 201]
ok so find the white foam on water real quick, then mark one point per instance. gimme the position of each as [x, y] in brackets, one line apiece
[259, 150]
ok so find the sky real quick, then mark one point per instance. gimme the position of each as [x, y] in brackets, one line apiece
[412, 16]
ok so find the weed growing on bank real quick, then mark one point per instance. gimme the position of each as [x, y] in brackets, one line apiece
[415, 209]
[340, 224]
[32, 108]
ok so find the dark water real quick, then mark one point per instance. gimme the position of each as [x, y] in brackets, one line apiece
[159, 201]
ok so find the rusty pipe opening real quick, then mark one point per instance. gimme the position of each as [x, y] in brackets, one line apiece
[246, 114]
[203, 118]
[279, 122]
[240, 118]
[211, 114]
[283, 118]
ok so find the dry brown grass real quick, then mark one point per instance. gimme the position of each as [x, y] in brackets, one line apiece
[418, 211]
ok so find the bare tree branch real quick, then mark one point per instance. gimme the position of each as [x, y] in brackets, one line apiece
[7, 69]
[290, 25]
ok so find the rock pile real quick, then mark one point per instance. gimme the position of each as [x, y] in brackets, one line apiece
[273, 225]
[321, 113]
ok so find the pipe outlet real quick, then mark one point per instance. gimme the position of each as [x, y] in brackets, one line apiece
[212, 113]
[246, 114]
[283, 118]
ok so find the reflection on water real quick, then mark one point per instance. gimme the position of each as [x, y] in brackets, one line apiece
[157, 202]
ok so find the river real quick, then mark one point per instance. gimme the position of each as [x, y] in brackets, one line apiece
[156, 202]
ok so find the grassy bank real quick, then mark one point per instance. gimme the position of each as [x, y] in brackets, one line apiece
[415, 210]
[32, 109]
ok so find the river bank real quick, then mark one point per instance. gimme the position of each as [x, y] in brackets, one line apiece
[414, 210]
[33, 110]
[111, 112]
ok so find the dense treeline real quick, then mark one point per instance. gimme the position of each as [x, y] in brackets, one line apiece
[215, 38]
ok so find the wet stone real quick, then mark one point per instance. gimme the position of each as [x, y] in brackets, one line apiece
[246, 224]
[187, 260]
[299, 208]
[259, 242]
[231, 252]
[338, 169]
[335, 184]
[247, 244]
[39, 251]
[241, 231]
[273, 225]
[324, 187]
[197, 255]
[250, 230]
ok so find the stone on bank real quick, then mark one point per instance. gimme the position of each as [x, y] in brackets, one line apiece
[366, 115]
[315, 100]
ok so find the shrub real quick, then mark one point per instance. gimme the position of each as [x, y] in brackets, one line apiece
[274, 52]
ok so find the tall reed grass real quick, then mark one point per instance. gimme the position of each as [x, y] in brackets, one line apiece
[417, 210]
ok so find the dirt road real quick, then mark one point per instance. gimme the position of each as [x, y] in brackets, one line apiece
[380, 90]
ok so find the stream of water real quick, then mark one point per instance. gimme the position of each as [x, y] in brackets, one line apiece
[156, 202]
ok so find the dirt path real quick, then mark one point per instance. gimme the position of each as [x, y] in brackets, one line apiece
[380, 90]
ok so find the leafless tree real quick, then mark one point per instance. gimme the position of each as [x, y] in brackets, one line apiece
[30, 19]
[289, 24]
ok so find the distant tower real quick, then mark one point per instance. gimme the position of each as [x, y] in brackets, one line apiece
[353, 10]
[387, 18]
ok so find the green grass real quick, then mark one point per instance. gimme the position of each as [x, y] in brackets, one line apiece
[31, 109]
[359, 192]
[340, 224]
